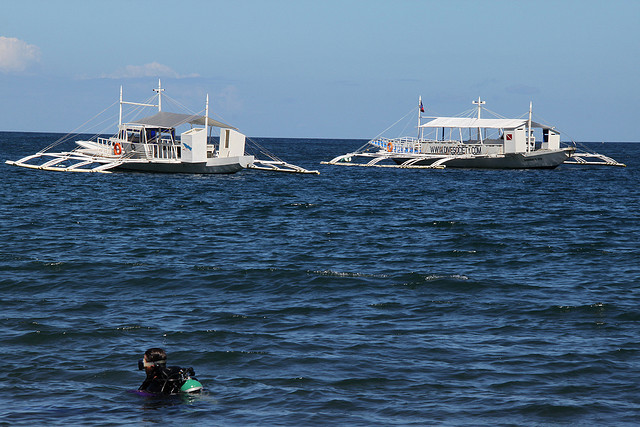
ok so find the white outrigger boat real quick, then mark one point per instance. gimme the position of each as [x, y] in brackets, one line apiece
[150, 144]
[473, 142]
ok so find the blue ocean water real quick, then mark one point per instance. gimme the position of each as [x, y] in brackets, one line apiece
[361, 296]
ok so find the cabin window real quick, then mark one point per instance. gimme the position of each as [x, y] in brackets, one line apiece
[133, 135]
[227, 133]
[151, 135]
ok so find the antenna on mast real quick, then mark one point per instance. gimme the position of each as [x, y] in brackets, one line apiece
[479, 103]
[159, 90]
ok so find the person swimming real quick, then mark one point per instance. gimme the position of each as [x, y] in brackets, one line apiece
[166, 380]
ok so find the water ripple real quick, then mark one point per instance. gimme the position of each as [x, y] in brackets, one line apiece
[357, 297]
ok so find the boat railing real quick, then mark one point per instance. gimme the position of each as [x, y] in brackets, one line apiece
[398, 145]
[163, 149]
[411, 145]
[106, 141]
[108, 144]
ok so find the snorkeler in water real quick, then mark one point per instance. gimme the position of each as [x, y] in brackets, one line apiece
[166, 380]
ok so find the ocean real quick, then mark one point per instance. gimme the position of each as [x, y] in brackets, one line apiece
[360, 296]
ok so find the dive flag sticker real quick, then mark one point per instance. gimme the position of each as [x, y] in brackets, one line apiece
[509, 136]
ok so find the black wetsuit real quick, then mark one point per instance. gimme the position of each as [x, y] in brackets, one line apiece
[166, 380]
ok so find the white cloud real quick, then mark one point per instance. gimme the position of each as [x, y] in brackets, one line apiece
[153, 69]
[16, 55]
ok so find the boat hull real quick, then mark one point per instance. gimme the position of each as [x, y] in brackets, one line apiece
[535, 160]
[226, 165]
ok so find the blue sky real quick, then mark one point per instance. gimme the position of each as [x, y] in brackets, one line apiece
[324, 69]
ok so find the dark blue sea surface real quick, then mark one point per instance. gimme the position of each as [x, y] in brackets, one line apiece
[362, 296]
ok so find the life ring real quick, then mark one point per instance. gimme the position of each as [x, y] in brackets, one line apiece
[117, 149]
[390, 146]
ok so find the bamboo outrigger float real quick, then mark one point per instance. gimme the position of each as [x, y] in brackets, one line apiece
[473, 142]
[150, 144]
[592, 159]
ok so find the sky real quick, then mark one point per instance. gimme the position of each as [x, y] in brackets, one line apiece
[324, 68]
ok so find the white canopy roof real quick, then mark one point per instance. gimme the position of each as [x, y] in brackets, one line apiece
[469, 122]
[171, 120]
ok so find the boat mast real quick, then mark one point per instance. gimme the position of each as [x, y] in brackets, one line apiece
[479, 103]
[139, 103]
[159, 90]
[420, 130]
[120, 116]
[206, 120]
[529, 125]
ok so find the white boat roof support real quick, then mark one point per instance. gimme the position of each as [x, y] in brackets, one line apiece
[472, 122]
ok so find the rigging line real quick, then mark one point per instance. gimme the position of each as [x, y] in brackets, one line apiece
[192, 112]
[150, 100]
[366, 145]
[183, 107]
[107, 119]
[135, 111]
[75, 131]
[500, 116]
[179, 104]
[220, 118]
[544, 122]
[541, 120]
[264, 151]
[467, 113]
[404, 129]
[189, 111]
[399, 120]
[105, 129]
[572, 140]
[97, 135]
[430, 111]
[257, 146]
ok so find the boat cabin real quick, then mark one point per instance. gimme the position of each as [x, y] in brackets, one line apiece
[510, 134]
[154, 138]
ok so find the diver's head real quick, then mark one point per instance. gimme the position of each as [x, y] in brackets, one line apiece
[152, 358]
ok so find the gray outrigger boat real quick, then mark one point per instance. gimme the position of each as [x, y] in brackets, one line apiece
[152, 144]
[473, 142]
